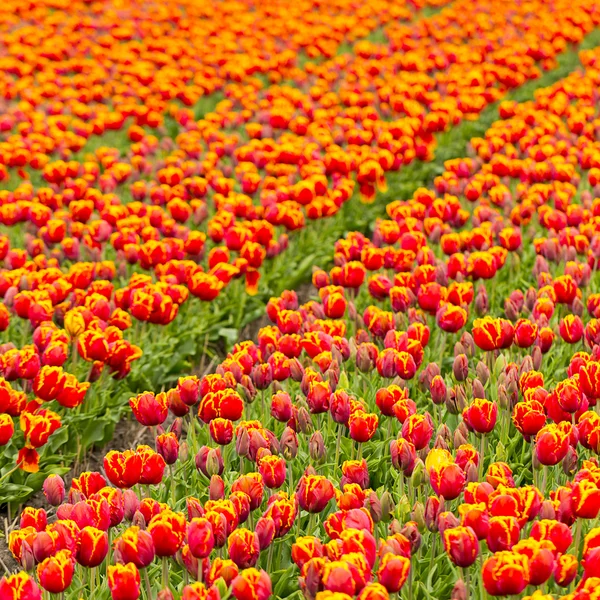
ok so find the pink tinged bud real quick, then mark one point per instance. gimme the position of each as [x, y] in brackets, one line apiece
[216, 488]
[460, 367]
[27, 558]
[131, 502]
[54, 489]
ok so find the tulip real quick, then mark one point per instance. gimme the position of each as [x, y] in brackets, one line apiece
[135, 546]
[462, 546]
[393, 572]
[19, 586]
[123, 581]
[167, 530]
[243, 547]
[200, 537]
[505, 574]
[93, 547]
[55, 573]
[314, 493]
[251, 583]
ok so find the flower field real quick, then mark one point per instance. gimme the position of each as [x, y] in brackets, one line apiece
[338, 263]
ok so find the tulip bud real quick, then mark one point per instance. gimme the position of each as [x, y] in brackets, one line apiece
[459, 591]
[501, 453]
[569, 462]
[209, 461]
[427, 375]
[510, 310]
[373, 505]
[316, 447]
[418, 515]
[216, 488]
[138, 520]
[177, 427]
[459, 439]
[536, 358]
[438, 390]
[526, 365]
[165, 594]
[440, 443]
[296, 370]
[131, 503]
[242, 443]
[446, 520]
[289, 443]
[27, 558]
[395, 527]
[312, 579]
[530, 298]
[168, 447]
[500, 365]
[364, 363]
[460, 367]
[466, 339]
[304, 421]
[577, 307]
[471, 472]
[54, 489]
[483, 373]
[387, 506]
[75, 496]
[460, 397]
[184, 451]
[547, 511]
[482, 302]
[433, 507]
[459, 349]
[503, 399]
[411, 532]
[418, 473]
[451, 405]
[478, 391]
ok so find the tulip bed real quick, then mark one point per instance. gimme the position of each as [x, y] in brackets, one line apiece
[426, 424]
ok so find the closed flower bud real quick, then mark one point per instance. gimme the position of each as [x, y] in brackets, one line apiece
[478, 391]
[387, 506]
[209, 461]
[482, 371]
[289, 443]
[459, 591]
[304, 421]
[446, 520]
[547, 511]
[27, 557]
[438, 390]
[165, 594]
[418, 473]
[460, 367]
[411, 532]
[54, 489]
[216, 488]
[373, 505]
[316, 447]
[418, 515]
[131, 503]
[167, 445]
[242, 443]
[569, 462]
[536, 357]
